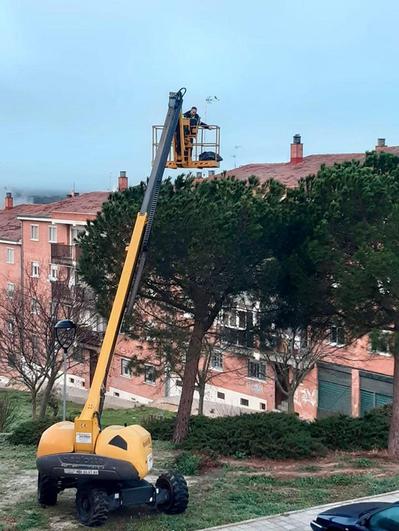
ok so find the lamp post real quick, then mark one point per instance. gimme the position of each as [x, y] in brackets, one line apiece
[65, 331]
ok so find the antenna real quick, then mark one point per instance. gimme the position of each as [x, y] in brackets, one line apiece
[234, 155]
[208, 101]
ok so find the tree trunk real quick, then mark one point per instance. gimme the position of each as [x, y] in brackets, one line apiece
[189, 377]
[46, 395]
[201, 392]
[33, 396]
[290, 402]
[393, 442]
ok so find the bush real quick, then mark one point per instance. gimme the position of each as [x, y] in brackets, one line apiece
[8, 411]
[188, 464]
[29, 432]
[278, 435]
[340, 432]
[267, 435]
[375, 428]
[160, 428]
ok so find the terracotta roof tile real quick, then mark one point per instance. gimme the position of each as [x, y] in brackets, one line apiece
[289, 174]
[86, 204]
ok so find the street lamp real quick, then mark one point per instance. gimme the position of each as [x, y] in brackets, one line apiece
[65, 331]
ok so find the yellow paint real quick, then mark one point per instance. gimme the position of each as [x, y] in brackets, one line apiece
[57, 439]
[139, 446]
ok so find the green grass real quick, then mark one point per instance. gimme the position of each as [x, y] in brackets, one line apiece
[220, 497]
[134, 415]
[227, 494]
[363, 462]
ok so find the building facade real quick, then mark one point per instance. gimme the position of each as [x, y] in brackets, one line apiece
[39, 241]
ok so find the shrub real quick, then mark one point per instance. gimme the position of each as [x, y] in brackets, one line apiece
[188, 464]
[268, 435]
[160, 428]
[278, 435]
[375, 428]
[8, 411]
[340, 432]
[29, 432]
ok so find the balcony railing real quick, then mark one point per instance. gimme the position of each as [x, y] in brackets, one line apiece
[64, 254]
[237, 337]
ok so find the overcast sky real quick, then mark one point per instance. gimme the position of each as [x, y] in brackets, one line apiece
[82, 81]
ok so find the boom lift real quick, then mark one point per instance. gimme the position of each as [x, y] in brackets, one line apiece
[108, 466]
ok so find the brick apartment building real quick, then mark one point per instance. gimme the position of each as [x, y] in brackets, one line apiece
[40, 241]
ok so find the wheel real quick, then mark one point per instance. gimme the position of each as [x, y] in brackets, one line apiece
[92, 506]
[46, 490]
[176, 487]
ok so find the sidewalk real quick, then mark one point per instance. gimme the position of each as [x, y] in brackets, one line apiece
[297, 520]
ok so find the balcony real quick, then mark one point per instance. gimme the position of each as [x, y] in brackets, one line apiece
[241, 338]
[64, 254]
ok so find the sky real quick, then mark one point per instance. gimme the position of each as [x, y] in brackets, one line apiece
[82, 82]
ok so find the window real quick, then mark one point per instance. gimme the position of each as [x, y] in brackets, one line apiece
[386, 519]
[237, 327]
[75, 232]
[126, 371]
[34, 232]
[53, 272]
[381, 342]
[217, 360]
[10, 256]
[10, 327]
[35, 269]
[116, 394]
[35, 306]
[149, 374]
[220, 395]
[52, 234]
[244, 402]
[256, 369]
[10, 290]
[337, 335]
[235, 318]
[262, 405]
[35, 343]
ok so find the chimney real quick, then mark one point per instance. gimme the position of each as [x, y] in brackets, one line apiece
[8, 201]
[380, 144]
[296, 150]
[122, 181]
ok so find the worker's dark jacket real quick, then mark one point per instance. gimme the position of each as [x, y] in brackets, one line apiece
[195, 120]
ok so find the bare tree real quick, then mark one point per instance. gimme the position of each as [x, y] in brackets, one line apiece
[168, 333]
[294, 352]
[29, 352]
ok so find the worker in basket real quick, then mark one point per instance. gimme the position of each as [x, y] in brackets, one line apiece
[190, 132]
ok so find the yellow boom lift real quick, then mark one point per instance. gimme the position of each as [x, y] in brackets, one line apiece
[108, 466]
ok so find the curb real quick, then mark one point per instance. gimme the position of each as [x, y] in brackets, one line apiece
[317, 508]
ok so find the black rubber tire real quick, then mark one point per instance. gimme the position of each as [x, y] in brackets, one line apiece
[46, 490]
[92, 506]
[176, 486]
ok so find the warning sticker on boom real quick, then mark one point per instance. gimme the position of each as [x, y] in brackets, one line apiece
[84, 438]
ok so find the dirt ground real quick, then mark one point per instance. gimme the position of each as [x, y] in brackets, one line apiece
[19, 511]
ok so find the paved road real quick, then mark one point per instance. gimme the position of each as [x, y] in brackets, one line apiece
[297, 520]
